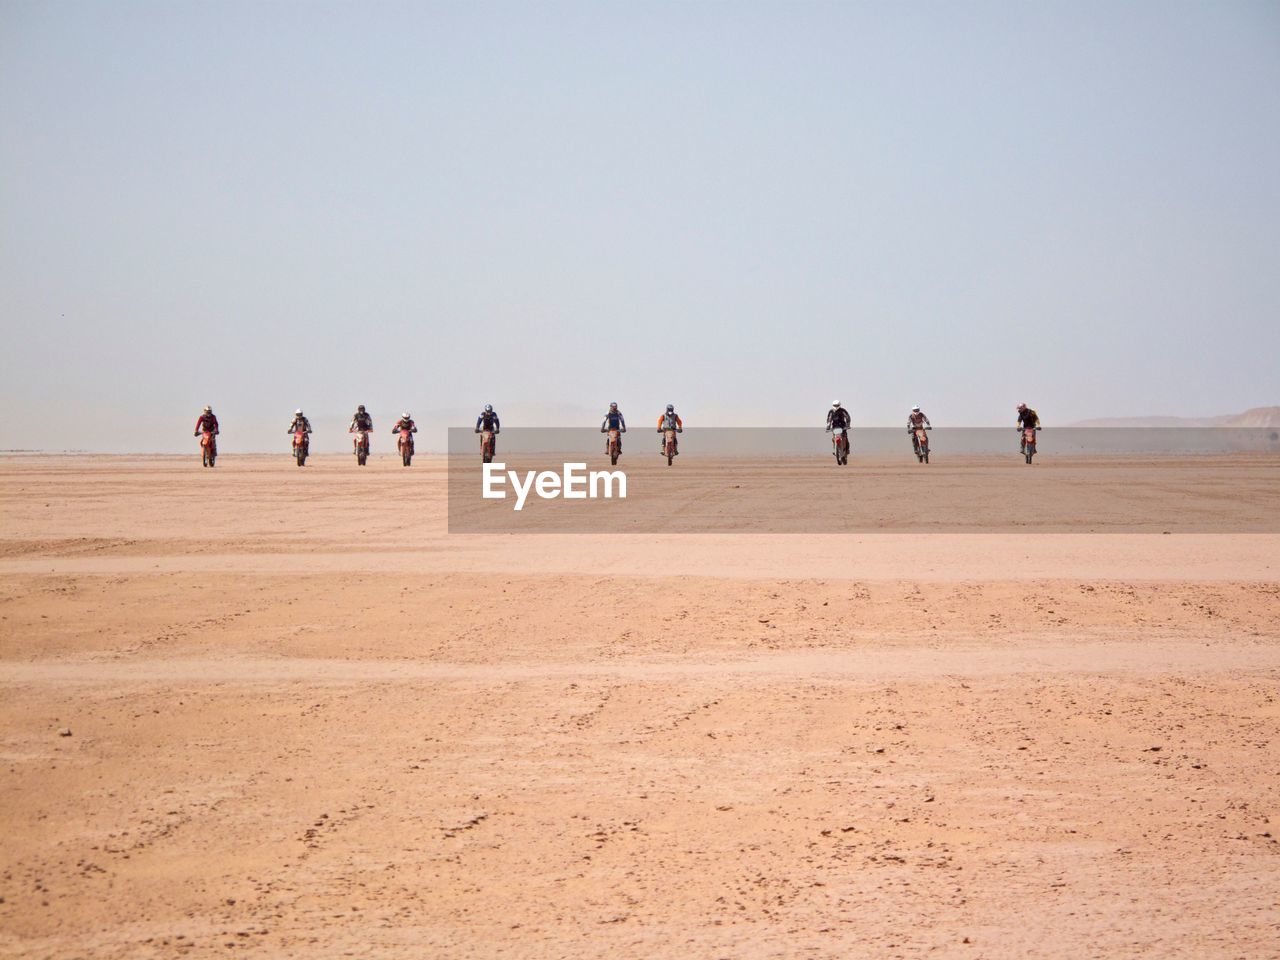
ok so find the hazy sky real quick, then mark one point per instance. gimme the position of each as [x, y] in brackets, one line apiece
[748, 209]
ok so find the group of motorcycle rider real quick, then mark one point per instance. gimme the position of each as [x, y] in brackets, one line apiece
[667, 420]
[488, 421]
[838, 416]
[361, 422]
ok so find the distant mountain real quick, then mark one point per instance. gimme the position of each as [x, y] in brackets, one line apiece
[1257, 417]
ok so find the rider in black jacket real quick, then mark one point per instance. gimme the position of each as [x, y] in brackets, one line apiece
[1028, 419]
[838, 416]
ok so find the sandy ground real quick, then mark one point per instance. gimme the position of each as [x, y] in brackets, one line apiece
[306, 721]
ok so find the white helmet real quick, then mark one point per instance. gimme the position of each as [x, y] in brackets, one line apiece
[834, 404]
[915, 409]
[405, 416]
[298, 412]
[208, 409]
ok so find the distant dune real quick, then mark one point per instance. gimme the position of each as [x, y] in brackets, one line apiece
[1257, 417]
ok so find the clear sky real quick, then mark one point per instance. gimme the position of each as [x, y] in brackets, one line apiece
[748, 209]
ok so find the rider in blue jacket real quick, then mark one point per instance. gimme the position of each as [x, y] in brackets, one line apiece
[613, 420]
[488, 420]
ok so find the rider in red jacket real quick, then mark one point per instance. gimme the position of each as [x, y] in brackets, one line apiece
[206, 423]
[406, 426]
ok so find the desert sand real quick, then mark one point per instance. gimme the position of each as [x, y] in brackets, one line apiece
[265, 711]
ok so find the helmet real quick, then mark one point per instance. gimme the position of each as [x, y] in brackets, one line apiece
[298, 412]
[915, 409]
[360, 409]
[834, 404]
[488, 408]
[208, 409]
[1022, 406]
[613, 406]
[405, 416]
[671, 408]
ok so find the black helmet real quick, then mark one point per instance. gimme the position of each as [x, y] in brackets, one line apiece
[360, 409]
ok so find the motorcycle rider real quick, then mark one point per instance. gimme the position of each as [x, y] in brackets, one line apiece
[206, 423]
[300, 422]
[1028, 419]
[916, 420]
[838, 416]
[669, 421]
[613, 420]
[360, 421]
[406, 425]
[488, 420]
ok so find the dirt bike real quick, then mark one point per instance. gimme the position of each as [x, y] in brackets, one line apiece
[614, 445]
[301, 447]
[405, 446]
[486, 446]
[362, 447]
[1029, 443]
[669, 445]
[922, 444]
[208, 449]
[840, 445]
